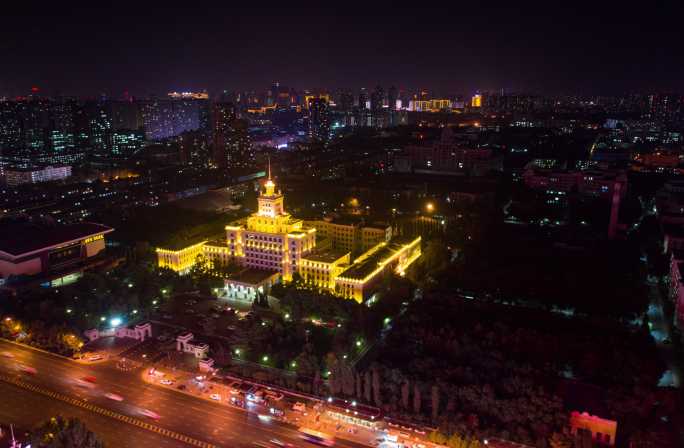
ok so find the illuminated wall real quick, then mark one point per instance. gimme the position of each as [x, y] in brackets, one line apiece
[357, 281]
[272, 240]
[323, 273]
[180, 260]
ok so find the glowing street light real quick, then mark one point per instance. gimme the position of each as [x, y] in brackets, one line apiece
[293, 364]
[264, 358]
[130, 285]
[102, 319]
[115, 321]
[237, 351]
[68, 310]
[358, 343]
[430, 207]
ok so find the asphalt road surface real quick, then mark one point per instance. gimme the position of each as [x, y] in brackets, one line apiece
[193, 417]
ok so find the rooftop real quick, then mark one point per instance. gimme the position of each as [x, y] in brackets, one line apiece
[368, 262]
[252, 276]
[326, 256]
[18, 238]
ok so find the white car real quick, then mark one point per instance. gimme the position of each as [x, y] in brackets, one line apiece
[150, 414]
[114, 397]
[215, 397]
[166, 382]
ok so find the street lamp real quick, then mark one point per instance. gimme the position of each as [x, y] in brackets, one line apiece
[358, 343]
[430, 207]
[237, 351]
[264, 358]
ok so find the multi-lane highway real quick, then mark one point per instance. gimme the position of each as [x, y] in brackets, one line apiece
[193, 417]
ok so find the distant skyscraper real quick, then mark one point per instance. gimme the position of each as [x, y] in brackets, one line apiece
[377, 99]
[392, 97]
[319, 120]
[232, 146]
[476, 100]
[165, 118]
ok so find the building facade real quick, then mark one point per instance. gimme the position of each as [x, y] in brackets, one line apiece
[271, 245]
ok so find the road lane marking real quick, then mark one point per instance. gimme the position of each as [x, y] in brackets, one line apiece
[96, 409]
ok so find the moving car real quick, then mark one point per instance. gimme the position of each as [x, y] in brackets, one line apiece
[149, 414]
[114, 397]
[299, 407]
[27, 369]
[166, 382]
[215, 397]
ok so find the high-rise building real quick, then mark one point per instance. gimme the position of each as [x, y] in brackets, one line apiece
[99, 125]
[476, 100]
[124, 143]
[345, 101]
[376, 100]
[392, 97]
[232, 146]
[165, 118]
[319, 120]
[10, 125]
[126, 115]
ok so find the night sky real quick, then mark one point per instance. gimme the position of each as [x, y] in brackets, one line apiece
[588, 48]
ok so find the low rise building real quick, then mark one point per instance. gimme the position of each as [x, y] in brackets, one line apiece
[31, 175]
[30, 249]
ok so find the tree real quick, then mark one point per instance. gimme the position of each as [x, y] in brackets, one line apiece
[376, 387]
[405, 394]
[60, 432]
[437, 437]
[367, 386]
[434, 395]
[416, 398]
[359, 386]
[559, 440]
[455, 441]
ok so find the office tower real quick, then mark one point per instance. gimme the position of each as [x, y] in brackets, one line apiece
[125, 143]
[364, 102]
[232, 145]
[10, 125]
[377, 99]
[363, 118]
[476, 100]
[99, 125]
[345, 102]
[194, 148]
[126, 115]
[165, 118]
[392, 97]
[35, 119]
[319, 120]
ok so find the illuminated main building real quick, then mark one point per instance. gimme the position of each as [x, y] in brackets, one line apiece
[272, 246]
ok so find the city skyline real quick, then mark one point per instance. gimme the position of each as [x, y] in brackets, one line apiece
[147, 50]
